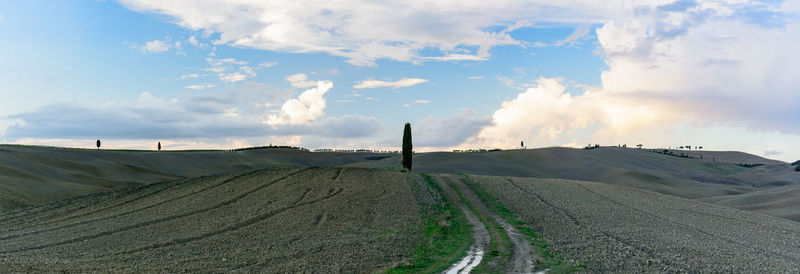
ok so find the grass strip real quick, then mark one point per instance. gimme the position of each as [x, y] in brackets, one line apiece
[496, 252]
[551, 259]
[446, 237]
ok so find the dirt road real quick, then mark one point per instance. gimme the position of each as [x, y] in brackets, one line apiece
[522, 259]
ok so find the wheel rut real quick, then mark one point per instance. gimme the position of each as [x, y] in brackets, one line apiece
[132, 211]
[481, 235]
[523, 259]
[161, 220]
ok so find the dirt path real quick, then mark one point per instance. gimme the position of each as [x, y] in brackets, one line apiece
[477, 251]
[522, 257]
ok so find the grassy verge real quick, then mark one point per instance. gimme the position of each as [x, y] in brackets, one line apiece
[498, 252]
[446, 237]
[551, 259]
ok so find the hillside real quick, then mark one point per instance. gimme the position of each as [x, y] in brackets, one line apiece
[716, 178]
[32, 175]
[367, 220]
[276, 220]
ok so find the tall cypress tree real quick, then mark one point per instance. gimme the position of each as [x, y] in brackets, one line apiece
[159, 146]
[98, 144]
[407, 147]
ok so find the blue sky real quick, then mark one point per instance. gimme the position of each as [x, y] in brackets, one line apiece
[465, 74]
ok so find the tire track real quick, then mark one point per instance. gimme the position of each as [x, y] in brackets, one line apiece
[57, 205]
[176, 184]
[480, 234]
[256, 219]
[522, 259]
[687, 226]
[9, 237]
[159, 220]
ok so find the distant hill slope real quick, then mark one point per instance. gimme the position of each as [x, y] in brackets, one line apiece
[715, 178]
[32, 174]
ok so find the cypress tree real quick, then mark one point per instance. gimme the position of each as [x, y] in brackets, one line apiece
[407, 147]
[98, 144]
[159, 146]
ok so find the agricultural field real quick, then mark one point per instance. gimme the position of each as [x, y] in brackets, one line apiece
[274, 220]
[620, 229]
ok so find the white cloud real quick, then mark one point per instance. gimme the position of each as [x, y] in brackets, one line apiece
[365, 31]
[193, 41]
[227, 71]
[300, 80]
[194, 120]
[198, 87]
[266, 65]
[475, 77]
[405, 82]
[676, 74]
[306, 108]
[155, 46]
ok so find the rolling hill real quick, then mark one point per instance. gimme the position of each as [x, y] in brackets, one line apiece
[367, 220]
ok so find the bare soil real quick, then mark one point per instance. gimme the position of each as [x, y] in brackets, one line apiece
[282, 220]
[621, 229]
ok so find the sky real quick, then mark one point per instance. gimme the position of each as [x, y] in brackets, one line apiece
[348, 74]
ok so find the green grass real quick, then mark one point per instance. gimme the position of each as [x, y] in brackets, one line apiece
[446, 238]
[498, 250]
[551, 259]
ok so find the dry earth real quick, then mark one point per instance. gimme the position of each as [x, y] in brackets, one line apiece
[620, 229]
[278, 220]
[32, 175]
[768, 189]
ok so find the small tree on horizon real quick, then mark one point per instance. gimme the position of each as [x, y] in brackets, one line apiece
[159, 146]
[407, 146]
[98, 144]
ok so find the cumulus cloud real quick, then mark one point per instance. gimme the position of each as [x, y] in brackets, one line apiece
[683, 72]
[405, 82]
[155, 46]
[366, 31]
[306, 108]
